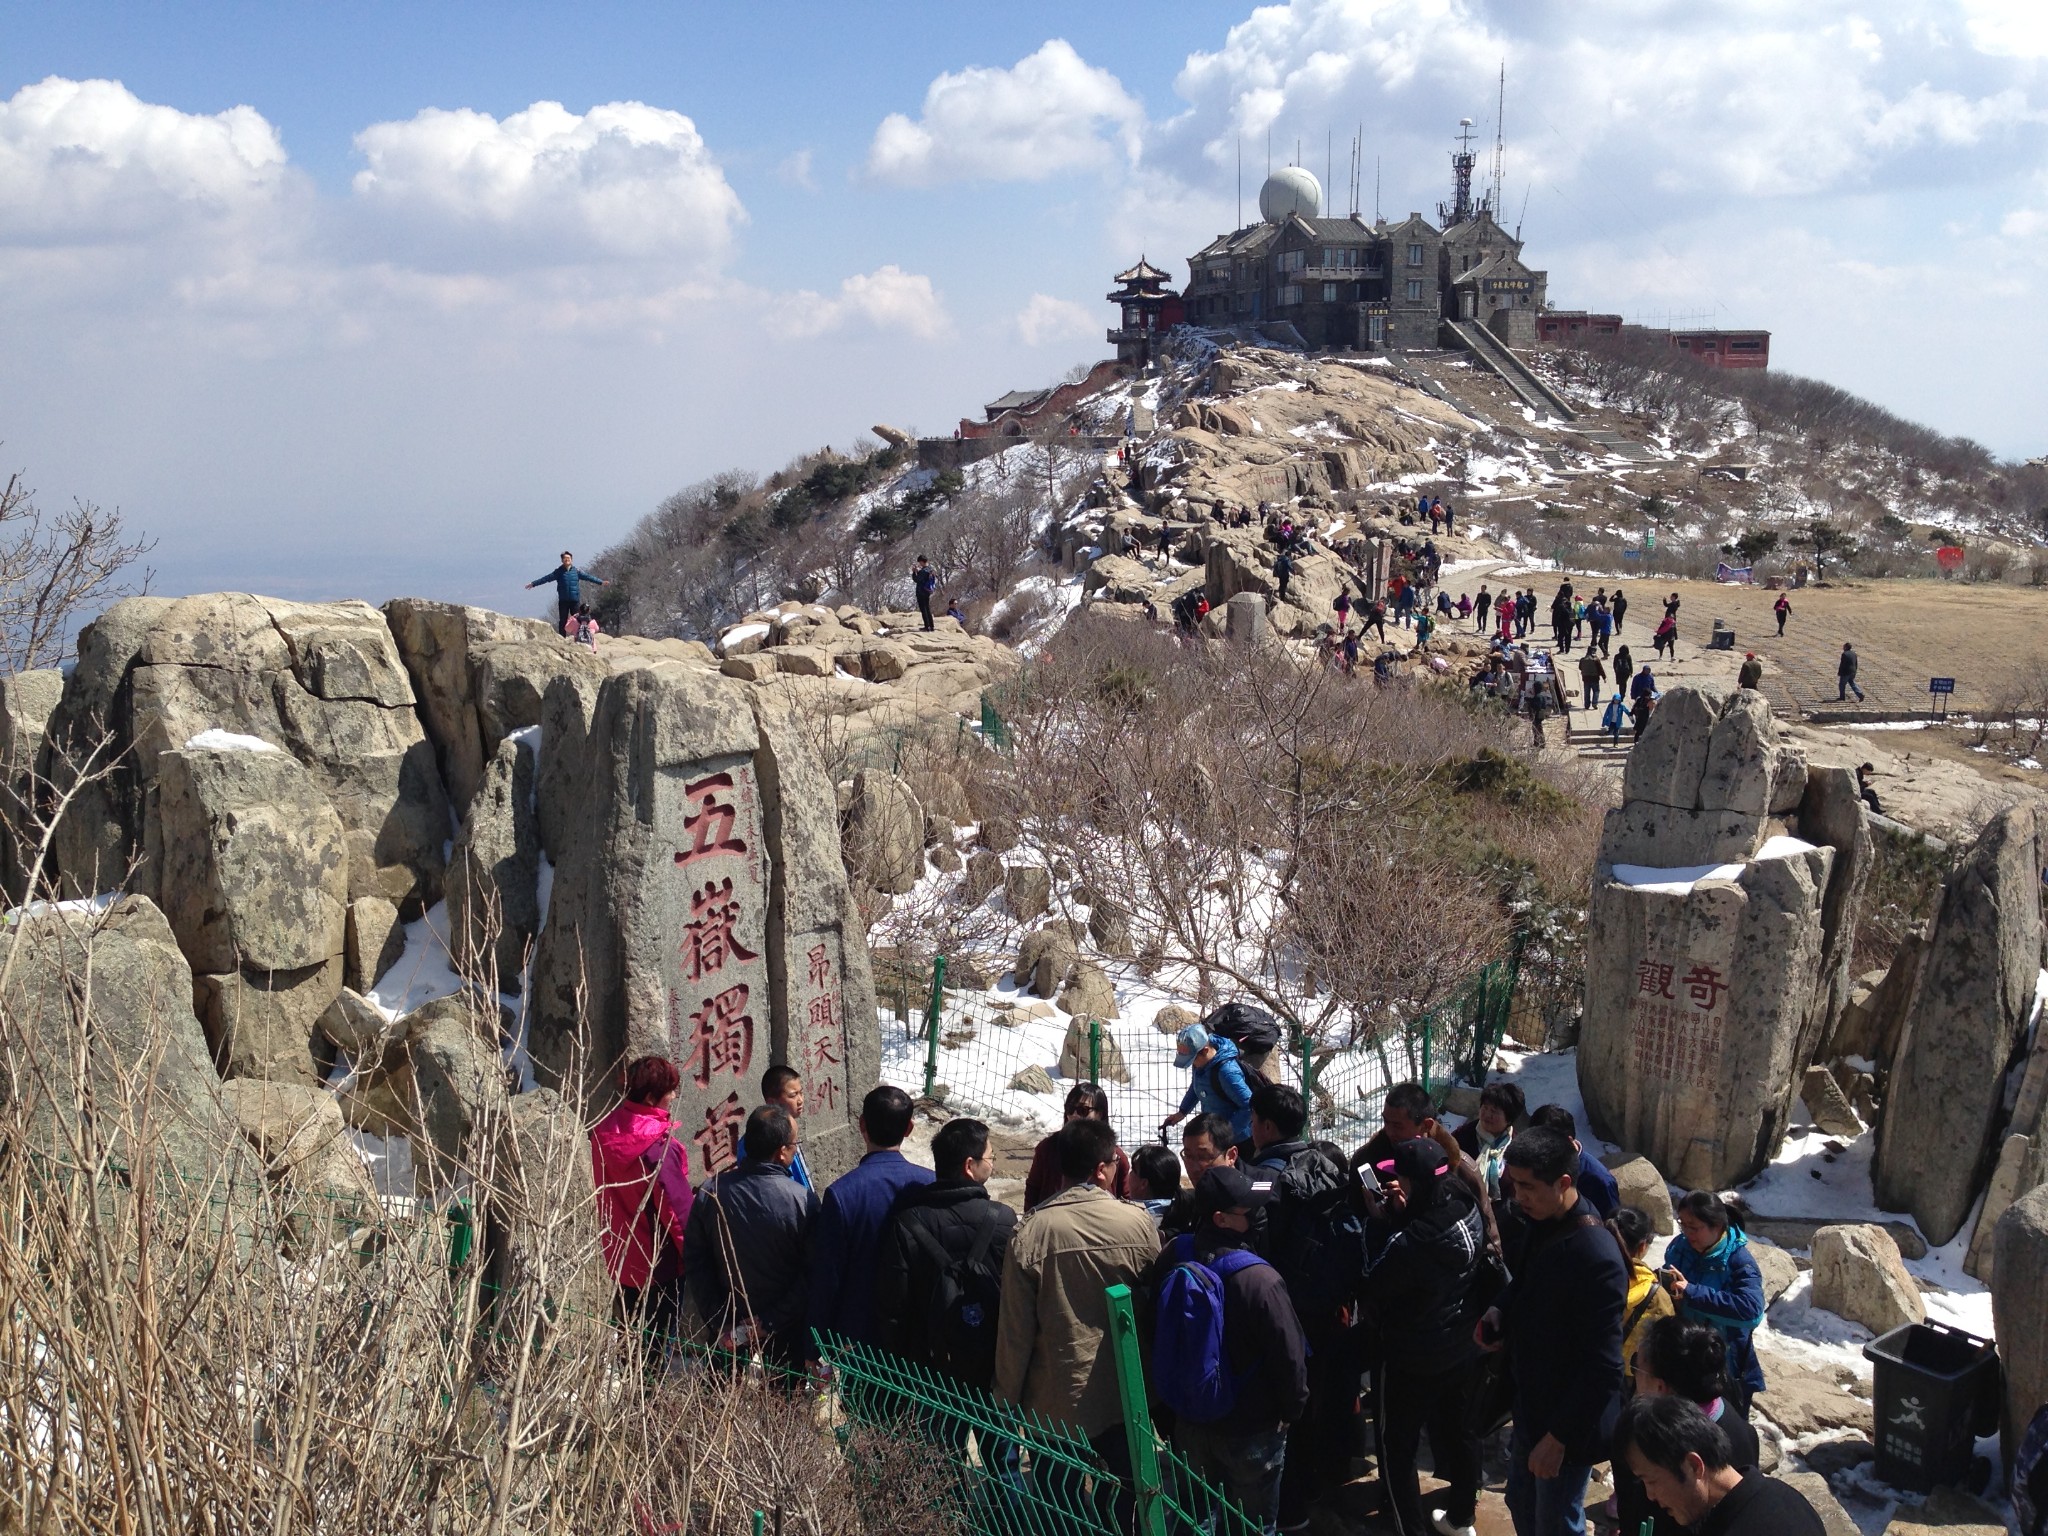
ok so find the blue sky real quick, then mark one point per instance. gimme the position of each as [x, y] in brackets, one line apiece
[325, 301]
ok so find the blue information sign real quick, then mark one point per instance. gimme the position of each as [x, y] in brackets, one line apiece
[1941, 685]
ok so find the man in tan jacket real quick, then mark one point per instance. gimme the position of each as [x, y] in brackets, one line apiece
[1052, 1352]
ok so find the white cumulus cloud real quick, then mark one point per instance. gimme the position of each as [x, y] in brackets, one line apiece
[887, 298]
[1050, 112]
[621, 180]
[1045, 319]
[86, 162]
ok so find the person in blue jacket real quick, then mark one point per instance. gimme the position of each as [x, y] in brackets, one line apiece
[1614, 719]
[1218, 1086]
[1714, 1278]
[1591, 1176]
[568, 587]
[846, 1236]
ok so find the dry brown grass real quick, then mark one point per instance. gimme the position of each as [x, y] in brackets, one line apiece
[188, 1347]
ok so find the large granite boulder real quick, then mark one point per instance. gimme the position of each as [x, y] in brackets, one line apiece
[304, 1145]
[1973, 998]
[1858, 1274]
[321, 681]
[97, 1061]
[438, 643]
[2019, 1306]
[85, 757]
[885, 832]
[494, 874]
[254, 863]
[27, 701]
[700, 908]
[1707, 783]
[458, 1077]
[1724, 904]
[1698, 993]
[265, 1023]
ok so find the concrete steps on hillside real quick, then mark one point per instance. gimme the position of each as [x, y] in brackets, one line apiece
[1511, 370]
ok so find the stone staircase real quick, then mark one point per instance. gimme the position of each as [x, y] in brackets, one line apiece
[1511, 370]
[1590, 742]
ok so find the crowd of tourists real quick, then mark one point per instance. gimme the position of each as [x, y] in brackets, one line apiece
[1297, 1303]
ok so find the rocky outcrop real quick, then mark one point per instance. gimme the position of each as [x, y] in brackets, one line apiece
[494, 873]
[27, 701]
[254, 861]
[696, 832]
[1858, 1274]
[835, 656]
[299, 1135]
[1697, 1000]
[323, 682]
[438, 643]
[124, 1051]
[1723, 902]
[1971, 1000]
[2019, 1304]
[885, 832]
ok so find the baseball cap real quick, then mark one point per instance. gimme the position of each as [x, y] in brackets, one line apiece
[1191, 1039]
[1417, 1160]
[1224, 1188]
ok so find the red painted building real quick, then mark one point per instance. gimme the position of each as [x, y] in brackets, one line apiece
[1714, 349]
[1559, 327]
[1725, 349]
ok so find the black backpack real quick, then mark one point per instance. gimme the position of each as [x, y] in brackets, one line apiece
[1314, 1234]
[965, 1300]
[1249, 1028]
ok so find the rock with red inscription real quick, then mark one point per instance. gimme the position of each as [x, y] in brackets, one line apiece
[700, 911]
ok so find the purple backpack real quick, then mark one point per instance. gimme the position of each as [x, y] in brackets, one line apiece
[1190, 1367]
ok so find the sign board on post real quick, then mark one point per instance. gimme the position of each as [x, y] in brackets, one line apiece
[1941, 688]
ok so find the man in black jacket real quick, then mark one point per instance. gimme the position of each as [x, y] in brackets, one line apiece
[1421, 1255]
[743, 1250]
[1682, 1457]
[1313, 1237]
[1246, 1449]
[945, 1236]
[1560, 1319]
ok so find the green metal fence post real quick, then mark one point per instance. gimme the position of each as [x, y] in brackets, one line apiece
[1095, 1050]
[1130, 1380]
[1428, 1026]
[931, 1024]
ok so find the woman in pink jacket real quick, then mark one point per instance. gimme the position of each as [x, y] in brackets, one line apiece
[643, 1193]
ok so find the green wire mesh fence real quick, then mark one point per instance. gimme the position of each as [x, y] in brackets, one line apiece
[1019, 1473]
[1011, 1055]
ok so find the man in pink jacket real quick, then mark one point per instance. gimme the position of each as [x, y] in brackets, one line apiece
[642, 1169]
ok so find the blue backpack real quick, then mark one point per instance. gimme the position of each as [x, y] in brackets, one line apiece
[1189, 1365]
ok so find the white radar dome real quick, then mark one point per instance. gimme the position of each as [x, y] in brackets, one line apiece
[1291, 189]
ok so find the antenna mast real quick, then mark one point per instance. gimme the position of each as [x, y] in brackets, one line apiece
[1500, 136]
[1240, 181]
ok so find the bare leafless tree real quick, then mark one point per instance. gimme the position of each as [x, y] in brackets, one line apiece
[56, 571]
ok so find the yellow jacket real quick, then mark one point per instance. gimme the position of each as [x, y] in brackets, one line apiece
[1642, 1287]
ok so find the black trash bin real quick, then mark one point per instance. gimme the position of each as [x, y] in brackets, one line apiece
[1936, 1388]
